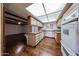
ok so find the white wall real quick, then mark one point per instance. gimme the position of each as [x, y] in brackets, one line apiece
[50, 25]
[49, 29]
[13, 29]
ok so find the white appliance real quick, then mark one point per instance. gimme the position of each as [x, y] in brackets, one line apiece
[70, 32]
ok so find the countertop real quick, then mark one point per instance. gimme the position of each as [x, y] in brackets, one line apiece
[35, 33]
[51, 29]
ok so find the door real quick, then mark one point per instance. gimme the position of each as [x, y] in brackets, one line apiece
[69, 32]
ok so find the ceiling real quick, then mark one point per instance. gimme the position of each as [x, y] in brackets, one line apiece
[51, 17]
[46, 12]
[20, 10]
[37, 9]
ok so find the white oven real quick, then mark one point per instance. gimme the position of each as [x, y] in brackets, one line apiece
[70, 33]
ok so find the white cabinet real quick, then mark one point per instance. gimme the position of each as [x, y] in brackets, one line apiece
[49, 33]
[34, 38]
[42, 34]
[34, 22]
[59, 23]
[37, 23]
[71, 15]
[40, 24]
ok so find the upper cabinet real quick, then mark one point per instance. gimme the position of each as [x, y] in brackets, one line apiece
[59, 23]
[60, 17]
[33, 21]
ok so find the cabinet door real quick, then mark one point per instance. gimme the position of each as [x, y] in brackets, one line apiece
[41, 25]
[59, 23]
[58, 37]
[33, 21]
[37, 23]
[37, 38]
[42, 35]
[31, 39]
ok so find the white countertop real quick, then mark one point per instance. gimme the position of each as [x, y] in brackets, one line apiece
[53, 29]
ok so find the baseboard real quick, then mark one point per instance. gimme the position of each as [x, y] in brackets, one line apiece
[49, 37]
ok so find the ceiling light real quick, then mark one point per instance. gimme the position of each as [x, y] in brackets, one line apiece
[19, 22]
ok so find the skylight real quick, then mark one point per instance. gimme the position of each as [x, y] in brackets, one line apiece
[51, 17]
[37, 10]
[52, 7]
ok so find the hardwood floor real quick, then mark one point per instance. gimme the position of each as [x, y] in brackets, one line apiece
[47, 47]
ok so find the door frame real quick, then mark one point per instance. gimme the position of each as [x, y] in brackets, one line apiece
[1, 29]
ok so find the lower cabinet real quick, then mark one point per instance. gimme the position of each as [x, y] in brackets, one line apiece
[34, 38]
[58, 37]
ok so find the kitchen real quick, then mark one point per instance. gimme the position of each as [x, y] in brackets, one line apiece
[45, 31]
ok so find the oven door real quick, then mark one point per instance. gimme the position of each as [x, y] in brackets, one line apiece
[68, 35]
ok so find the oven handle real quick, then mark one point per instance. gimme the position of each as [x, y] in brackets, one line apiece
[76, 19]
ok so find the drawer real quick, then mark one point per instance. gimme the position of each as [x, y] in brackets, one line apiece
[37, 41]
[37, 37]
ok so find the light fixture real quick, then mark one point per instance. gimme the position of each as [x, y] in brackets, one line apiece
[19, 22]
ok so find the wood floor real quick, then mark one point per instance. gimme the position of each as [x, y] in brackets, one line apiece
[47, 47]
